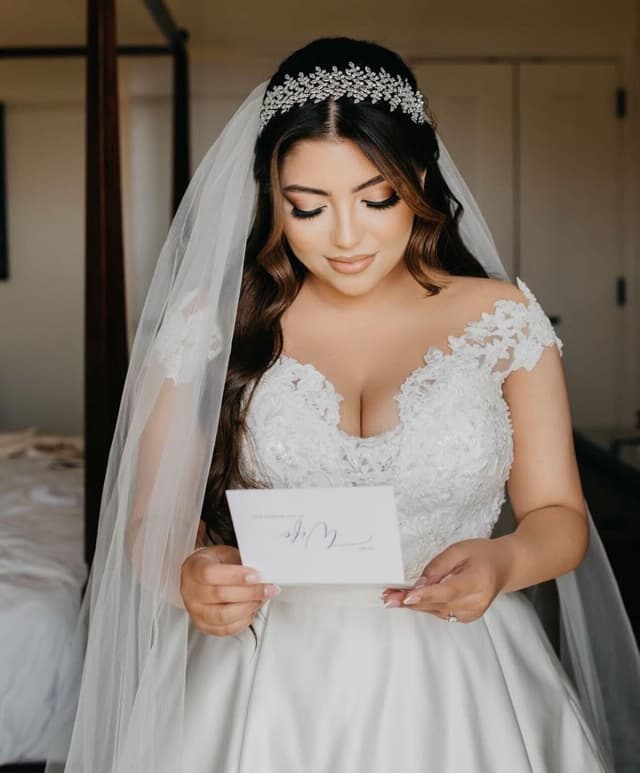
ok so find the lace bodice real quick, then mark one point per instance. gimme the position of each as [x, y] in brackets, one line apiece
[449, 456]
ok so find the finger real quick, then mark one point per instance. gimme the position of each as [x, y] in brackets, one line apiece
[453, 600]
[225, 594]
[452, 558]
[393, 598]
[458, 587]
[221, 554]
[206, 569]
[422, 600]
[429, 597]
[465, 611]
[226, 614]
[227, 554]
[462, 614]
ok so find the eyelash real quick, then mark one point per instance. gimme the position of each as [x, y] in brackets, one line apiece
[304, 214]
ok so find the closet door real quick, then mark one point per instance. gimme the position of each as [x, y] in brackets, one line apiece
[570, 207]
[473, 107]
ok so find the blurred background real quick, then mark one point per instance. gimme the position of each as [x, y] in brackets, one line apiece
[537, 102]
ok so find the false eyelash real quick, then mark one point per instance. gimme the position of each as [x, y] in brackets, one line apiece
[393, 199]
[303, 214]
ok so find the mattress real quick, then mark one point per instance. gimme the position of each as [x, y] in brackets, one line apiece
[42, 572]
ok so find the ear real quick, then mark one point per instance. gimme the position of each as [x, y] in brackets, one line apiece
[423, 175]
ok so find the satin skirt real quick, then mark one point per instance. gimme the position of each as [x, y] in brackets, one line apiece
[339, 684]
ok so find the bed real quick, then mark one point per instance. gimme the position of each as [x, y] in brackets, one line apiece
[42, 574]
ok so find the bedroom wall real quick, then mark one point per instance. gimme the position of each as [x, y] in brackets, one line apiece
[41, 307]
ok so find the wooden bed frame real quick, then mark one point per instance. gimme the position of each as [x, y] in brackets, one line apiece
[106, 350]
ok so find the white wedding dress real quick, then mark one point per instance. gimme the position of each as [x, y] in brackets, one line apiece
[339, 684]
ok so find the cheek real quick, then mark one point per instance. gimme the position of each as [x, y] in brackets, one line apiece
[301, 235]
[307, 238]
[394, 228]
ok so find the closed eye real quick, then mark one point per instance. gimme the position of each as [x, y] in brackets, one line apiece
[389, 202]
[393, 199]
[303, 213]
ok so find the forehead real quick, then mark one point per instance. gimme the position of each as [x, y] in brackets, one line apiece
[324, 160]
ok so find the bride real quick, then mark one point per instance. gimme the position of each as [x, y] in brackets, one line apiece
[326, 313]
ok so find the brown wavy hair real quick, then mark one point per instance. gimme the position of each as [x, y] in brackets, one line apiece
[273, 275]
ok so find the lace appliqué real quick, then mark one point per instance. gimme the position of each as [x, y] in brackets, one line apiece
[187, 337]
[513, 335]
[448, 458]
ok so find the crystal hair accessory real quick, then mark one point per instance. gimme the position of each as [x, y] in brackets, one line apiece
[355, 82]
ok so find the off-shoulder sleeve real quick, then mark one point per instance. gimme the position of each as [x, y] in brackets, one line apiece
[523, 330]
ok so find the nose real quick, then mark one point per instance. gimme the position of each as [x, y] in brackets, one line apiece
[347, 232]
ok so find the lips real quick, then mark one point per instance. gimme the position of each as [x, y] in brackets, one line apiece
[352, 265]
[354, 259]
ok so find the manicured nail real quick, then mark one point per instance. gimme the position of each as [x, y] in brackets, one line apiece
[412, 598]
[271, 590]
[420, 582]
[252, 578]
[392, 603]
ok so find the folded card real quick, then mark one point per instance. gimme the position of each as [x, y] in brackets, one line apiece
[326, 536]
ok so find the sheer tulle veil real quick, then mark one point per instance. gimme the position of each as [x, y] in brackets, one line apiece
[133, 630]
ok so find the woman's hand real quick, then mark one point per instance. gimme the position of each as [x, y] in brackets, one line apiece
[463, 579]
[221, 595]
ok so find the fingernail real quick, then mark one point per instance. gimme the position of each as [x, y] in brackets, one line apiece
[420, 582]
[271, 590]
[392, 603]
[412, 598]
[252, 578]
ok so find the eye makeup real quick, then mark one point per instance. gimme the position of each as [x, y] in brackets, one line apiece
[305, 214]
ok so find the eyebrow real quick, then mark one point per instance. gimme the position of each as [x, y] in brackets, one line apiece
[304, 189]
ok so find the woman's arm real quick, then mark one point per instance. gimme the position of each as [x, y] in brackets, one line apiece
[544, 487]
[552, 535]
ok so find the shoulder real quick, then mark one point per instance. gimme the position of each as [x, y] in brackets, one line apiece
[508, 317]
[479, 296]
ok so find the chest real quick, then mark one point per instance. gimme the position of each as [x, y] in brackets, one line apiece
[365, 399]
[367, 361]
[452, 425]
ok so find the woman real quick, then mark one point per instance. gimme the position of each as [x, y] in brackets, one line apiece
[370, 346]
[391, 690]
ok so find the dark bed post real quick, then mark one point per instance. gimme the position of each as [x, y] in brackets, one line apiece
[181, 128]
[105, 311]
[177, 39]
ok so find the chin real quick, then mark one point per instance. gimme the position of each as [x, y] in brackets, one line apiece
[355, 286]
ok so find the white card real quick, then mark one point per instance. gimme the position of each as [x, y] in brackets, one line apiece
[326, 536]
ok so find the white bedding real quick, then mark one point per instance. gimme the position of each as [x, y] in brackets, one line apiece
[42, 571]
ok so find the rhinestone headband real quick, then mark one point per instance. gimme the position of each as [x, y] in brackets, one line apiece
[355, 82]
